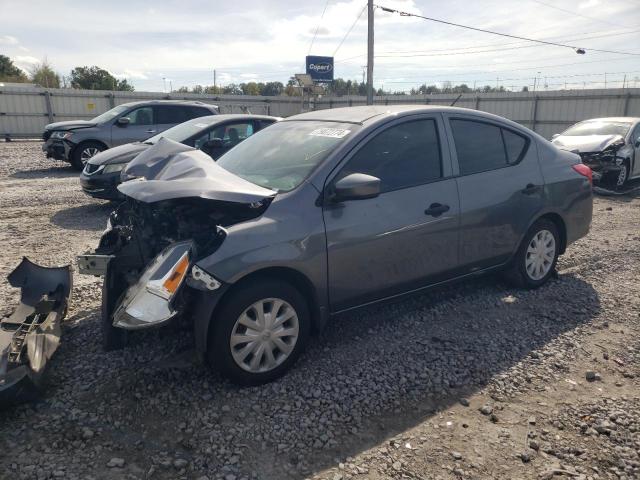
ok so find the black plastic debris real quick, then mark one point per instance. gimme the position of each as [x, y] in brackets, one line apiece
[30, 336]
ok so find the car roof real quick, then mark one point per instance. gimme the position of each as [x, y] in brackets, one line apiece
[170, 102]
[214, 119]
[364, 114]
[612, 119]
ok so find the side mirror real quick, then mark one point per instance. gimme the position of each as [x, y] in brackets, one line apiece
[123, 121]
[356, 186]
[554, 136]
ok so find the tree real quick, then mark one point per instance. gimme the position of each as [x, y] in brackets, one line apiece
[273, 88]
[96, 78]
[9, 72]
[44, 75]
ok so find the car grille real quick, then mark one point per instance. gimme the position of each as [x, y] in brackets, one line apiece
[90, 168]
[46, 135]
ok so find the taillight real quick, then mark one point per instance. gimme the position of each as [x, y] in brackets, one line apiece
[583, 170]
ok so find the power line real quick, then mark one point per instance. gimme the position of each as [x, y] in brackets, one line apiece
[350, 28]
[579, 14]
[555, 44]
[318, 27]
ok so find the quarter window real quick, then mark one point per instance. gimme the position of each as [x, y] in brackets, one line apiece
[401, 156]
[481, 146]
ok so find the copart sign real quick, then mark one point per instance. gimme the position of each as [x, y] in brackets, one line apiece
[320, 68]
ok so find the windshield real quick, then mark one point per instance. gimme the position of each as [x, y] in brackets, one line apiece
[110, 114]
[594, 127]
[182, 131]
[283, 155]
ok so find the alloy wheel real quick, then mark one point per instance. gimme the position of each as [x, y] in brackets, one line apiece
[622, 176]
[264, 335]
[87, 153]
[540, 254]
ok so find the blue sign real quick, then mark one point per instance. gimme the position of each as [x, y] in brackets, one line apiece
[320, 68]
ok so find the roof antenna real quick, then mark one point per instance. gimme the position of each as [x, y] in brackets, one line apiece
[455, 101]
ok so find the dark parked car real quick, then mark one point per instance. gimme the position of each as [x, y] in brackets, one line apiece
[609, 146]
[76, 141]
[325, 212]
[214, 135]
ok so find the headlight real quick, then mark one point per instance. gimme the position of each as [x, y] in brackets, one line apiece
[148, 302]
[115, 167]
[62, 135]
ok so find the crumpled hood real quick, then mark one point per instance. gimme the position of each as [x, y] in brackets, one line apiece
[170, 170]
[70, 125]
[120, 154]
[586, 143]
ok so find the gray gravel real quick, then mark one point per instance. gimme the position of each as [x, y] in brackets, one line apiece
[442, 385]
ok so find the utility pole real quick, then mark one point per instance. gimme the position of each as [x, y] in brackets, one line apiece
[370, 52]
[214, 80]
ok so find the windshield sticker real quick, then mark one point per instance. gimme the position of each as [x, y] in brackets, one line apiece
[200, 125]
[330, 132]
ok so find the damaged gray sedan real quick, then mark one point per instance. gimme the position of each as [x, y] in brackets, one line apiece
[325, 212]
[609, 146]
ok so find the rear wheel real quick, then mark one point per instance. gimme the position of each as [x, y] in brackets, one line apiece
[259, 332]
[83, 152]
[537, 256]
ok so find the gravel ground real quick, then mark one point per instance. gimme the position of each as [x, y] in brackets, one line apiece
[477, 380]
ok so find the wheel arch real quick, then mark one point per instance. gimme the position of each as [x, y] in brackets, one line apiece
[560, 225]
[88, 140]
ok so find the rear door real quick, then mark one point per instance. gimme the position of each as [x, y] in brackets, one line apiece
[500, 186]
[396, 242]
[140, 127]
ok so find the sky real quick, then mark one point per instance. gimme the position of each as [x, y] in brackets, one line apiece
[180, 43]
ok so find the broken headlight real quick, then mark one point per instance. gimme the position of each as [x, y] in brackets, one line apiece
[148, 302]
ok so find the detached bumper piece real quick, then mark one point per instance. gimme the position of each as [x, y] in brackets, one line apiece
[30, 336]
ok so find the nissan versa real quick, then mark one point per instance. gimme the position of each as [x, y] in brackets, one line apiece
[214, 135]
[76, 141]
[324, 212]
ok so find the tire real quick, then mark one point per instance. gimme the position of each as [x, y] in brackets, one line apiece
[226, 324]
[518, 273]
[112, 289]
[83, 152]
[623, 175]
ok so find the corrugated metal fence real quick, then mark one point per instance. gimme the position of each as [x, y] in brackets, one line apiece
[25, 111]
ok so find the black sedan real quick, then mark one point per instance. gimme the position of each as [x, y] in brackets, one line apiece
[214, 135]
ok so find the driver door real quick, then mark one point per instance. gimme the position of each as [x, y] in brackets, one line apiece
[635, 144]
[396, 242]
[140, 127]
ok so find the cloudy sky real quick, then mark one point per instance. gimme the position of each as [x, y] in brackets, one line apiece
[267, 40]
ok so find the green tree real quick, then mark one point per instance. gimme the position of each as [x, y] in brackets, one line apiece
[273, 88]
[96, 78]
[44, 75]
[9, 72]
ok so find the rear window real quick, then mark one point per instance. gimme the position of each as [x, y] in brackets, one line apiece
[482, 146]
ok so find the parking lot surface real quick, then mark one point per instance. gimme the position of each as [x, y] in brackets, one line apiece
[476, 380]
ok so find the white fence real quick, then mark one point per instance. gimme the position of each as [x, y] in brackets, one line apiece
[25, 111]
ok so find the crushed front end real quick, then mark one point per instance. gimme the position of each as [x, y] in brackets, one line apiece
[30, 336]
[167, 223]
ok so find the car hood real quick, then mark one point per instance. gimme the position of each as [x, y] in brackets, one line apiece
[70, 125]
[586, 143]
[121, 154]
[170, 170]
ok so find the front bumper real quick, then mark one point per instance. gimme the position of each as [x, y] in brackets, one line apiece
[58, 149]
[602, 164]
[100, 185]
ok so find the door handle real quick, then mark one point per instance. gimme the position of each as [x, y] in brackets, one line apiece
[151, 131]
[530, 189]
[436, 209]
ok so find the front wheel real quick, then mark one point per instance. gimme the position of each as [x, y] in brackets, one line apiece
[259, 332]
[537, 256]
[83, 152]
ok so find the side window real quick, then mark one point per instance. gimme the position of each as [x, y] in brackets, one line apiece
[515, 146]
[230, 134]
[635, 136]
[141, 116]
[266, 123]
[195, 112]
[401, 156]
[172, 114]
[479, 146]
